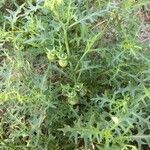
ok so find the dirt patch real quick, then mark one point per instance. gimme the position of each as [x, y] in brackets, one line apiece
[144, 36]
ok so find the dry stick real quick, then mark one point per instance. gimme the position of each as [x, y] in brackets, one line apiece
[98, 24]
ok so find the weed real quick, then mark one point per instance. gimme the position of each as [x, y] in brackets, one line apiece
[74, 75]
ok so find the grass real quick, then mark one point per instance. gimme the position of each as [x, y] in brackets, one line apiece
[74, 75]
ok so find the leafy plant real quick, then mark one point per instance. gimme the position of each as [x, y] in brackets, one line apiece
[74, 75]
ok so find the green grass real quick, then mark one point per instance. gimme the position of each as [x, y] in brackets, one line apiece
[74, 75]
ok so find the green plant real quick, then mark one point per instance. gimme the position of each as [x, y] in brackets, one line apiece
[73, 75]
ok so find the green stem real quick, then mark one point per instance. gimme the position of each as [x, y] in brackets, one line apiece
[68, 50]
[66, 41]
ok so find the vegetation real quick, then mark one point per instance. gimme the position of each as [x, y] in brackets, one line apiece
[74, 75]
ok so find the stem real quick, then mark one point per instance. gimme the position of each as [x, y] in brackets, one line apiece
[68, 50]
[66, 41]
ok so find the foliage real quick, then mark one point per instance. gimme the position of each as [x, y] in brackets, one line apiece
[73, 75]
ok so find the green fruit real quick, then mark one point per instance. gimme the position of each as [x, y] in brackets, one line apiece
[51, 54]
[62, 56]
[73, 100]
[63, 63]
[51, 57]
